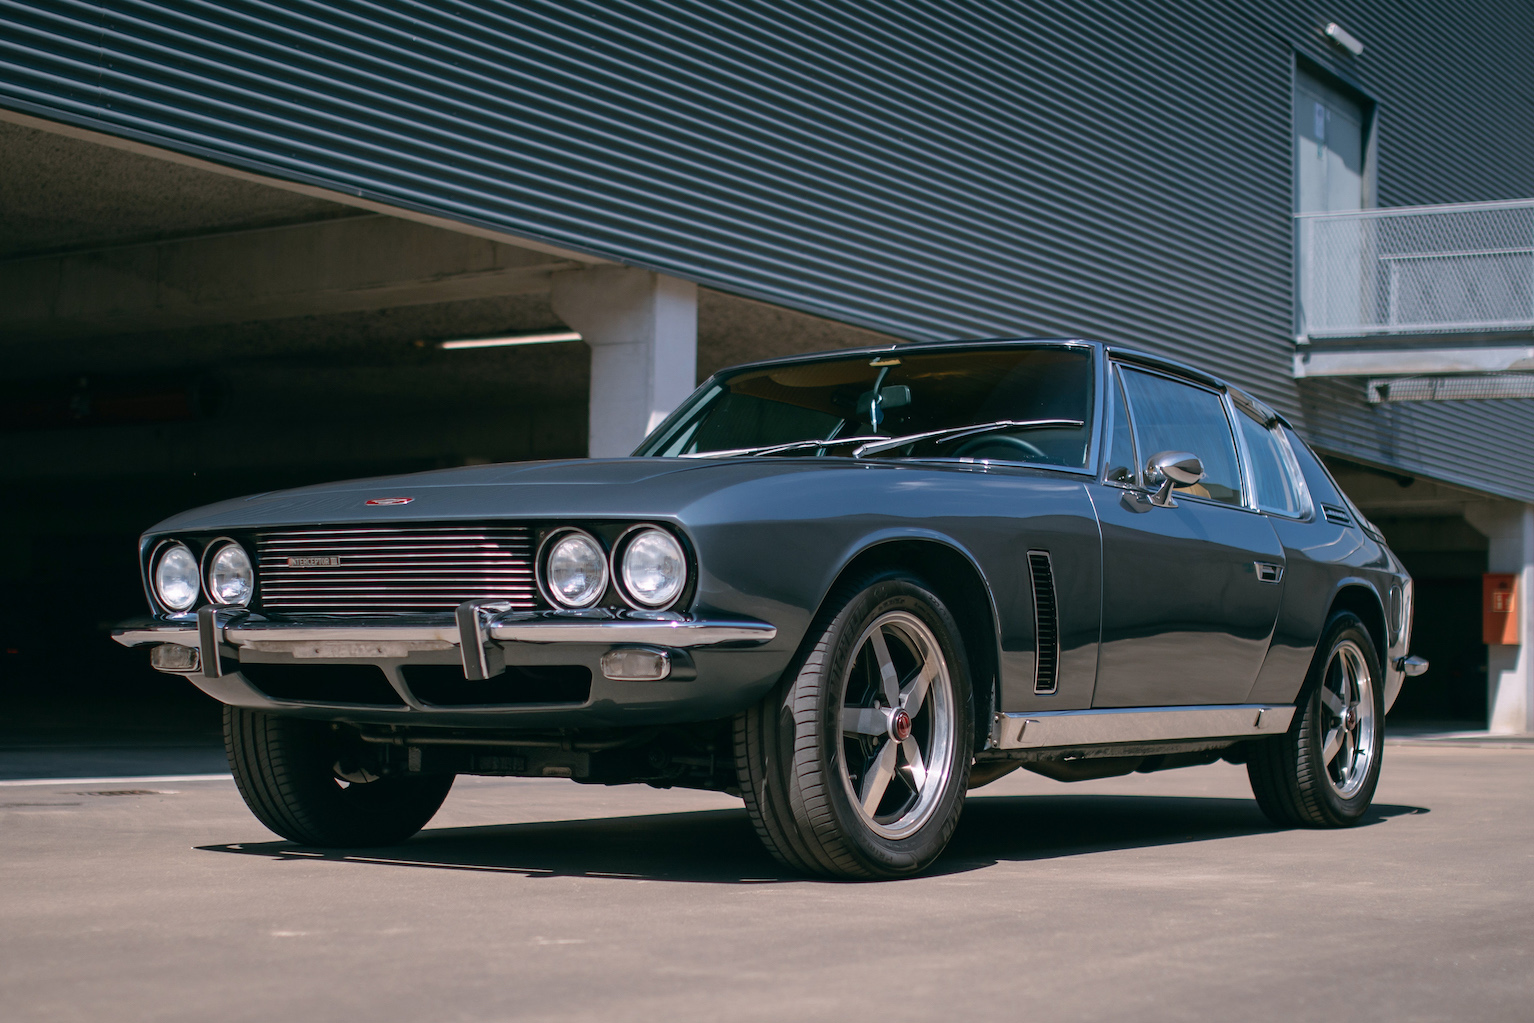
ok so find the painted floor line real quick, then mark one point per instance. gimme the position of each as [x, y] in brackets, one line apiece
[117, 780]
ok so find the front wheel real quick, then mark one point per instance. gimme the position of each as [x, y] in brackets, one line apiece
[856, 766]
[308, 783]
[1323, 772]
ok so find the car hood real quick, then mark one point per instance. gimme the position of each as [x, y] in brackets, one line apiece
[590, 488]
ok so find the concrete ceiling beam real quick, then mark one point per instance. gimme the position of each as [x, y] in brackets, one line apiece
[1470, 357]
[350, 264]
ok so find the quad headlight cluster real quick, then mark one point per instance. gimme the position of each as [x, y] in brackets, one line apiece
[226, 575]
[646, 564]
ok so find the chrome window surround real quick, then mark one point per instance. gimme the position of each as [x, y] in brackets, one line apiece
[1107, 428]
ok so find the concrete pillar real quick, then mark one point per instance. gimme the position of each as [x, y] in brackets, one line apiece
[643, 331]
[1510, 669]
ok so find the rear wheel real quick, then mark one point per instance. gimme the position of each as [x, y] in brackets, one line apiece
[1322, 773]
[311, 784]
[856, 767]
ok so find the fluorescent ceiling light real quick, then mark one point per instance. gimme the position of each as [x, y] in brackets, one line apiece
[1343, 38]
[511, 339]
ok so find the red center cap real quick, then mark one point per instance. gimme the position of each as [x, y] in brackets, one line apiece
[900, 726]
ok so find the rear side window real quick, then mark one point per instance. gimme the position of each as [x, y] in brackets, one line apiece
[1170, 415]
[1275, 481]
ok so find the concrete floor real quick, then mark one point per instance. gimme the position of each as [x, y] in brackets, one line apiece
[1151, 897]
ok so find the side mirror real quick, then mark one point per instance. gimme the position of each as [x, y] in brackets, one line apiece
[1172, 469]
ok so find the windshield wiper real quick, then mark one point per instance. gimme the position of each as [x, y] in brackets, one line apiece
[882, 444]
[875, 445]
[775, 449]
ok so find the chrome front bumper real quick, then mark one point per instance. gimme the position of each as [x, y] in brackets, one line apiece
[474, 629]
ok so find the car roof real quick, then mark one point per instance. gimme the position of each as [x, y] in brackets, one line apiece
[1118, 352]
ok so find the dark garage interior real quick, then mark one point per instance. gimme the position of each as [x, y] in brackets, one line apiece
[173, 336]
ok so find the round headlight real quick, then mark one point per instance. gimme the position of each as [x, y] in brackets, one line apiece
[231, 578]
[654, 568]
[175, 577]
[575, 569]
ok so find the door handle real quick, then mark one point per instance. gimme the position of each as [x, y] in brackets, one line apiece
[1267, 572]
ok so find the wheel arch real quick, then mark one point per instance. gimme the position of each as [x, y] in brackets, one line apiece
[1361, 598]
[953, 574]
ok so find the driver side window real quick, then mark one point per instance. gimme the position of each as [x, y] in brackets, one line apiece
[1170, 415]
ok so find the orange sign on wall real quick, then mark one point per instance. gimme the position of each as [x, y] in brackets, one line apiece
[1499, 608]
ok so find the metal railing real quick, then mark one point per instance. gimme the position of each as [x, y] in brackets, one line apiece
[1416, 270]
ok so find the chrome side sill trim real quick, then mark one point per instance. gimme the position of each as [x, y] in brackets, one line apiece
[672, 631]
[1137, 724]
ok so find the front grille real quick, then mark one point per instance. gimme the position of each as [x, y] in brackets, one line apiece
[357, 570]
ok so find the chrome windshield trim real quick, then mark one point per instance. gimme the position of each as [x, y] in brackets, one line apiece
[1137, 724]
[659, 629]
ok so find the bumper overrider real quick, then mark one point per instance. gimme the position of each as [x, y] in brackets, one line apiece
[658, 665]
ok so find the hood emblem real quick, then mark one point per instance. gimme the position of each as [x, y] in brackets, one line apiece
[315, 561]
[390, 500]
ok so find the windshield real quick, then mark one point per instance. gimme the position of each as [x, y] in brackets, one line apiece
[892, 395]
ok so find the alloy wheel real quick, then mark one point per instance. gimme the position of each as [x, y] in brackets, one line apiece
[897, 723]
[1347, 700]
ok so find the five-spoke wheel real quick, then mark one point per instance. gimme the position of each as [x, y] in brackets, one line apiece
[891, 730]
[1323, 772]
[1347, 700]
[856, 766]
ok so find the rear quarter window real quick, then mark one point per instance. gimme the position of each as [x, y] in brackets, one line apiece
[1276, 483]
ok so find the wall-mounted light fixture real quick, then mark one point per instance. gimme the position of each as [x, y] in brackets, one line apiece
[541, 338]
[1343, 38]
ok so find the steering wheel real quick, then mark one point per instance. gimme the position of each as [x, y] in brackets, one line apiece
[1009, 448]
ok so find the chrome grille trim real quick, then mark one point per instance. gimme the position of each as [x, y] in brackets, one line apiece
[393, 570]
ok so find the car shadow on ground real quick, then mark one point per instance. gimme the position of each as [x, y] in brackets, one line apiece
[720, 847]
[1016, 828]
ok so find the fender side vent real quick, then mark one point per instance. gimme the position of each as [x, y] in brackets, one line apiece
[1336, 515]
[1046, 623]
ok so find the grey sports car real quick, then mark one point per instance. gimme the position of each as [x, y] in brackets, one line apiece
[847, 587]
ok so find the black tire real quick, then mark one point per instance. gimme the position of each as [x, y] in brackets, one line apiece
[798, 761]
[1298, 779]
[285, 769]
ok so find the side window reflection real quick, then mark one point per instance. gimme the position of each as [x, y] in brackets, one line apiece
[1276, 488]
[1170, 415]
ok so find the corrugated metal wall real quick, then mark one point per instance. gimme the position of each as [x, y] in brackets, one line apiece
[929, 169]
